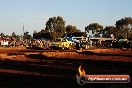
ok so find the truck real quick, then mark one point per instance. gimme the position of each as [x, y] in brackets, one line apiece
[62, 43]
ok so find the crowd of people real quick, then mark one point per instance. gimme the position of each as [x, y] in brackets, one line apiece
[46, 44]
[28, 43]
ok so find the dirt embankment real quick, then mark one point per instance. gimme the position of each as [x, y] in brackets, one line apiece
[112, 51]
[10, 49]
[96, 54]
[12, 54]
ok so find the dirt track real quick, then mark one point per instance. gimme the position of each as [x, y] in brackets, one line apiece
[19, 54]
[24, 69]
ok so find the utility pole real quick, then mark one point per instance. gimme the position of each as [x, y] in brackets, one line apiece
[23, 28]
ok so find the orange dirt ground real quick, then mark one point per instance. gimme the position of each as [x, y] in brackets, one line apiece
[95, 54]
[25, 68]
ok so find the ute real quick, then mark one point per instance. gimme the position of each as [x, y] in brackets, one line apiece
[62, 43]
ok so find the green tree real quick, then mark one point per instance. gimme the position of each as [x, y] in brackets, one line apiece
[6, 35]
[27, 36]
[2, 35]
[14, 35]
[124, 27]
[71, 29]
[56, 26]
[95, 28]
[108, 30]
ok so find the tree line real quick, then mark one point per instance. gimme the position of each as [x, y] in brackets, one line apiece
[56, 27]
[16, 36]
[122, 29]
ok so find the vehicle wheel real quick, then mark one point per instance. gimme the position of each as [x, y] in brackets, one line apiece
[63, 48]
[70, 48]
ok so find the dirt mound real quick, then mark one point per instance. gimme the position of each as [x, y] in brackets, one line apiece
[112, 51]
[61, 54]
[10, 49]
[96, 54]
[5, 57]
